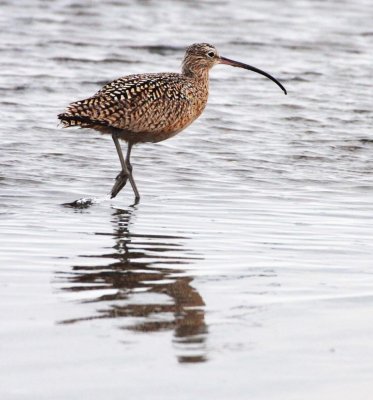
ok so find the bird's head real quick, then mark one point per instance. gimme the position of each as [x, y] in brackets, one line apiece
[201, 57]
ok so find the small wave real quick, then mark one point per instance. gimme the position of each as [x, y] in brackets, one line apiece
[85, 202]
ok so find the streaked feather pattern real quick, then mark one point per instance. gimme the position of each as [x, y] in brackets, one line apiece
[158, 105]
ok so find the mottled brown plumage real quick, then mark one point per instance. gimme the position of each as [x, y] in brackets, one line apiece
[144, 108]
[150, 107]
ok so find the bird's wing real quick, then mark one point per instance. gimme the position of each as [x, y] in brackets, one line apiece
[135, 103]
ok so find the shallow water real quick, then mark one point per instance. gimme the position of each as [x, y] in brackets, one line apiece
[246, 270]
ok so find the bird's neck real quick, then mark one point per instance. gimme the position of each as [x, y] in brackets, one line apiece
[198, 73]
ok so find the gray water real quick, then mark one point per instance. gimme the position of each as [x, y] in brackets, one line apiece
[246, 271]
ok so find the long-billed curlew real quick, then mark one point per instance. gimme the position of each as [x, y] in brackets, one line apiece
[150, 107]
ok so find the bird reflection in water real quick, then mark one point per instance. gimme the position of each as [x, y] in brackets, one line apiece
[144, 281]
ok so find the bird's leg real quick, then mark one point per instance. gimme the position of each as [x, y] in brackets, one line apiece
[126, 172]
[129, 168]
[127, 161]
[122, 177]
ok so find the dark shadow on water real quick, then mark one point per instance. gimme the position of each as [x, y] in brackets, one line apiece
[146, 283]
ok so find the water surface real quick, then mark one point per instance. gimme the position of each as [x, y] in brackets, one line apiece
[246, 270]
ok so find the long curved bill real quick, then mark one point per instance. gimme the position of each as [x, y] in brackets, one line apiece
[233, 63]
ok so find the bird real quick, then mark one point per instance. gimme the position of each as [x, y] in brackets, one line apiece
[150, 107]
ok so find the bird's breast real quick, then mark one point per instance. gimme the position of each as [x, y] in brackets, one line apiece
[169, 113]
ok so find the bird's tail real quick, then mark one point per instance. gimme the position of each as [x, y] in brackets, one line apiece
[82, 113]
[68, 120]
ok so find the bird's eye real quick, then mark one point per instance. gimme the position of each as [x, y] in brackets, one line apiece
[211, 54]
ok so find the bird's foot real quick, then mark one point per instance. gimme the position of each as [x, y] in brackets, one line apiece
[120, 182]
